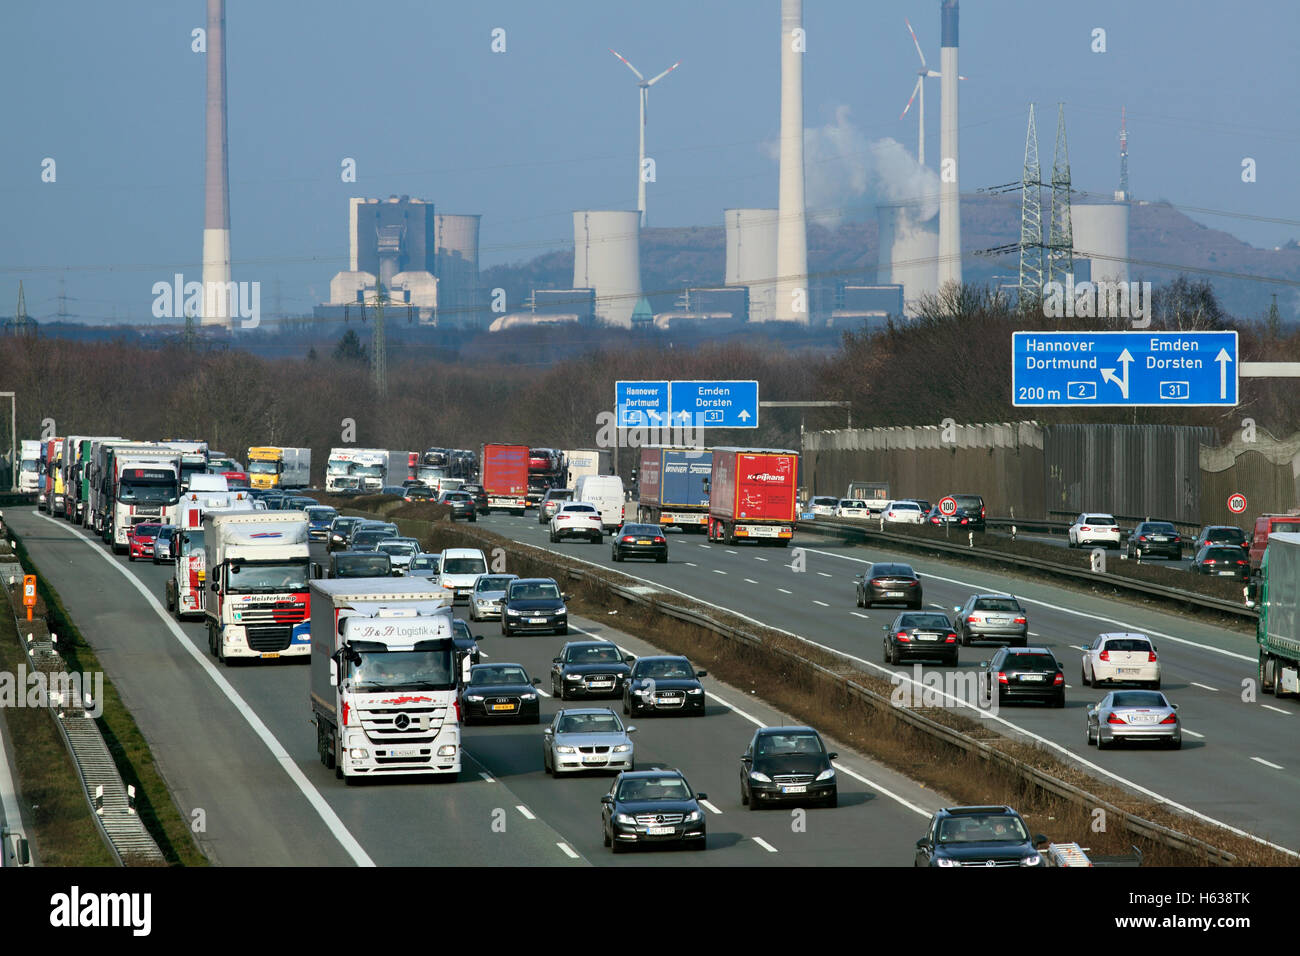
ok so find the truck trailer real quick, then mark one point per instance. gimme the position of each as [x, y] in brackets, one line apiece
[673, 487]
[271, 466]
[184, 589]
[505, 477]
[1277, 594]
[384, 678]
[752, 494]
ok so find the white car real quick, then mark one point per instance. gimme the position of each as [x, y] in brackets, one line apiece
[824, 507]
[577, 519]
[459, 570]
[903, 512]
[1094, 528]
[1121, 658]
[852, 508]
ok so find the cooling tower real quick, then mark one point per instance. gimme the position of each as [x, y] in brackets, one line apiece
[751, 258]
[218, 309]
[607, 258]
[908, 252]
[949, 194]
[1101, 235]
[457, 267]
[792, 294]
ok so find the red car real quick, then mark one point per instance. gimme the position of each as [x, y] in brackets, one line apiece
[141, 539]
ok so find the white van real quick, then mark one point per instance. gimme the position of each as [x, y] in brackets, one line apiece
[606, 493]
[460, 569]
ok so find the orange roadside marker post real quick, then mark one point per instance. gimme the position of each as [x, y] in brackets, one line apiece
[29, 593]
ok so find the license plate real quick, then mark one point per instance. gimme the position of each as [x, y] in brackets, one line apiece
[1033, 677]
[799, 789]
[1144, 718]
[1159, 537]
[762, 532]
[1126, 670]
[998, 620]
[658, 831]
[403, 752]
[643, 541]
[1231, 573]
[893, 594]
[595, 758]
[270, 655]
[503, 706]
[537, 620]
[670, 700]
[601, 684]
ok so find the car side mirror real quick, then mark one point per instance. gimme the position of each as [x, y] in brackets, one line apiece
[334, 672]
[564, 597]
[629, 730]
[1039, 838]
[884, 627]
[555, 660]
[537, 682]
[701, 673]
[956, 609]
[746, 758]
[215, 586]
[629, 658]
[832, 756]
[921, 844]
[701, 796]
[984, 665]
[1175, 706]
[607, 799]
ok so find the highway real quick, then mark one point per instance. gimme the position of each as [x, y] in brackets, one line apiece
[236, 743]
[1236, 765]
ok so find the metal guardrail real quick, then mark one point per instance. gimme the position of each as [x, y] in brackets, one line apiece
[865, 533]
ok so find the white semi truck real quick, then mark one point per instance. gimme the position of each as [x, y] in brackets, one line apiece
[384, 678]
[185, 584]
[29, 470]
[146, 488]
[355, 469]
[256, 604]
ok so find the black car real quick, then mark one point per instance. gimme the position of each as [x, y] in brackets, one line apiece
[319, 520]
[959, 519]
[534, 604]
[889, 583]
[466, 643]
[367, 524]
[787, 765]
[359, 564]
[973, 505]
[339, 528]
[664, 685]
[461, 504]
[1220, 560]
[1154, 538]
[367, 538]
[500, 692]
[550, 501]
[926, 634]
[479, 494]
[639, 541]
[978, 836]
[299, 503]
[652, 806]
[1222, 534]
[590, 669]
[1026, 673]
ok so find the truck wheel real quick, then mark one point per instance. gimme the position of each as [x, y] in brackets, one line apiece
[1265, 674]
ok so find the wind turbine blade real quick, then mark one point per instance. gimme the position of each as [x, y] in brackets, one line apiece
[935, 73]
[960, 77]
[629, 65]
[915, 40]
[915, 90]
[664, 73]
[645, 105]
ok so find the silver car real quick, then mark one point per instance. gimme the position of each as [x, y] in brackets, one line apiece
[488, 596]
[588, 738]
[992, 617]
[424, 565]
[401, 551]
[1134, 715]
[162, 545]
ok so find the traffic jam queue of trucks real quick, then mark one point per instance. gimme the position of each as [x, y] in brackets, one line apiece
[752, 495]
[673, 487]
[185, 585]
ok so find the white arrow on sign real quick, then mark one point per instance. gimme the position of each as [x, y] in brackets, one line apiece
[1223, 358]
[743, 416]
[1108, 374]
[686, 416]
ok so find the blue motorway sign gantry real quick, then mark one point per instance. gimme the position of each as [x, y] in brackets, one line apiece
[695, 404]
[1098, 369]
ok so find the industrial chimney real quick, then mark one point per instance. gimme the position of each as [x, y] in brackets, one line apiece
[949, 194]
[792, 235]
[218, 307]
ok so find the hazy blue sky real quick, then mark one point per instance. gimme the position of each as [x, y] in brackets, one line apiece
[411, 90]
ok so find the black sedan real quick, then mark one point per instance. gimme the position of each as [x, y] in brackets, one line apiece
[664, 685]
[534, 604]
[928, 635]
[479, 494]
[367, 538]
[461, 504]
[320, 519]
[1222, 560]
[500, 692]
[639, 541]
[1156, 538]
[590, 669]
[652, 806]
[889, 583]
[1026, 673]
[339, 529]
[961, 519]
[978, 836]
[787, 765]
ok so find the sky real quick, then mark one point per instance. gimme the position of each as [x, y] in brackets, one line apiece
[414, 93]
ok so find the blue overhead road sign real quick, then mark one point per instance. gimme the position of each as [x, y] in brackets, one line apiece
[714, 404]
[641, 404]
[1097, 369]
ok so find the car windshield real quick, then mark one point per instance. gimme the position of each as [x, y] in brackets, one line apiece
[456, 496]
[906, 506]
[317, 513]
[498, 676]
[368, 539]
[574, 509]
[493, 583]
[997, 604]
[973, 502]
[191, 543]
[1277, 526]
[464, 566]
[1098, 519]
[1138, 698]
[653, 788]
[336, 467]
[892, 571]
[1029, 662]
[414, 670]
[396, 547]
[424, 564]
[166, 532]
[852, 503]
[146, 530]
[641, 529]
[1231, 535]
[1224, 554]
[601, 654]
[269, 576]
[363, 567]
[589, 724]
[261, 468]
[665, 670]
[777, 745]
[539, 591]
[1158, 527]
[986, 828]
[823, 501]
[160, 491]
[1128, 644]
[925, 620]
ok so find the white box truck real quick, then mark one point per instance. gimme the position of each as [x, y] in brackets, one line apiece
[580, 462]
[185, 584]
[607, 494]
[384, 678]
[257, 604]
[30, 468]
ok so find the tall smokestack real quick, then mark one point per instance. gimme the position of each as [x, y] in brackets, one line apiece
[218, 308]
[949, 194]
[791, 230]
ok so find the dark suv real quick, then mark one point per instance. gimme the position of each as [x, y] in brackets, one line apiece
[978, 836]
[1156, 538]
[1026, 673]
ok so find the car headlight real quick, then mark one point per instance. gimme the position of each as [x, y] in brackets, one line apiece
[696, 690]
[642, 691]
[695, 816]
[945, 861]
[482, 603]
[356, 753]
[760, 777]
[560, 612]
[512, 612]
[475, 698]
[573, 677]
[521, 696]
[827, 774]
[625, 819]
[447, 750]
[622, 748]
[561, 749]
[1033, 860]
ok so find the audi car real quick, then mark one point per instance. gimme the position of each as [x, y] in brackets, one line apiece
[590, 669]
[992, 617]
[852, 508]
[533, 604]
[973, 505]
[500, 692]
[140, 539]
[652, 806]
[1221, 534]
[488, 597]
[787, 765]
[923, 634]
[903, 512]
[639, 541]
[1026, 673]
[1134, 715]
[978, 836]
[889, 583]
[587, 739]
[664, 685]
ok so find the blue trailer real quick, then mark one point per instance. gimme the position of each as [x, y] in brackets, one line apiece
[672, 486]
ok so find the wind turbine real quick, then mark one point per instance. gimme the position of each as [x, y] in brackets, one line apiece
[918, 93]
[644, 85]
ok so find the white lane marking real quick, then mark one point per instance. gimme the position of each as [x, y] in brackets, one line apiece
[484, 654]
[527, 814]
[1192, 733]
[1035, 634]
[824, 574]
[691, 564]
[704, 545]
[542, 692]
[750, 581]
[278, 750]
[765, 845]
[486, 776]
[716, 571]
[1267, 763]
[710, 807]
[865, 617]
[1078, 647]
[734, 709]
[784, 591]
[1132, 628]
[733, 552]
[1204, 686]
[822, 603]
[567, 851]
[1277, 710]
[757, 558]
